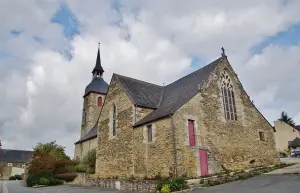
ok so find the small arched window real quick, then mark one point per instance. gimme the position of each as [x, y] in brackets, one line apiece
[99, 101]
[228, 97]
[114, 125]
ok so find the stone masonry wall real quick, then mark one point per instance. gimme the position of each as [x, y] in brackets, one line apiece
[124, 185]
[90, 107]
[114, 153]
[140, 112]
[235, 143]
[152, 158]
[188, 158]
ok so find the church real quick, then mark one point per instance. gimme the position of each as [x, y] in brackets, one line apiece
[201, 124]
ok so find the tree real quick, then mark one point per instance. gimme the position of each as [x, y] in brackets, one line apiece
[285, 118]
[53, 149]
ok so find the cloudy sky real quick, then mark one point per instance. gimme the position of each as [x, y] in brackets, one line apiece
[48, 49]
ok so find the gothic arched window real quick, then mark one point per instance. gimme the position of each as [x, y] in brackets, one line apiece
[228, 97]
[114, 129]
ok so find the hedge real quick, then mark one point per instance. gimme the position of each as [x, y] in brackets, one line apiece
[44, 178]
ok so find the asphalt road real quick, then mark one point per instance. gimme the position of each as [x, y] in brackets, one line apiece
[19, 187]
[283, 183]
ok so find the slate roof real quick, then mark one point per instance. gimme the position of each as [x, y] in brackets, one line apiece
[98, 66]
[15, 156]
[174, 95]
[142, 93]
[96, 85]
[90, 135]
[295, 142]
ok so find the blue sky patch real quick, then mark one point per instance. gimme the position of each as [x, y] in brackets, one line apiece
[15, 32]
[286, 38]
[37, 39]
[196, 63]
[65, 17]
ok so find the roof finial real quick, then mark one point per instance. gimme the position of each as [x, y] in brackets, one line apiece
[98, 45]
[223, 51]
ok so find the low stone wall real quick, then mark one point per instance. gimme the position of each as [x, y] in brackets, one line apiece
[125, 185]
[290, 160]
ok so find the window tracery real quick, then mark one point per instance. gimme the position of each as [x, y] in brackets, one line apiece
[228, 97]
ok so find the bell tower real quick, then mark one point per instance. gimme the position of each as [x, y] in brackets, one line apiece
[94, 96]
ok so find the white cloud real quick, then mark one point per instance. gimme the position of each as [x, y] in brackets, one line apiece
[272, 77]
[148, 40]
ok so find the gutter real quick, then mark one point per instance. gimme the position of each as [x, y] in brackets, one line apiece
[173, 146]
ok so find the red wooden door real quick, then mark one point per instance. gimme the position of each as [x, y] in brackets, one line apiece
[203, 162]
[192, 133]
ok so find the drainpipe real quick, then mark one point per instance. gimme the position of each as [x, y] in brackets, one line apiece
[173, 146]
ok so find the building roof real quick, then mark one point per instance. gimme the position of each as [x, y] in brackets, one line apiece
[142, 93]
[90, 135]
[295, 142]
[15, 156]
[98, 66]
[179, 92]
[96, 85]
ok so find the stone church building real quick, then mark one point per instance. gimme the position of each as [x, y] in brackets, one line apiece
[197, 125]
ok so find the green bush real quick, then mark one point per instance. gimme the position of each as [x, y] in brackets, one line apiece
[15, 177]
[63, 166]
[80, 168]
[12, 178]
[55, 182]
[165, 189]
[32, 180]
[68, 177]
[89, 160]
[18, 177]
[174, 184]
[44, 181]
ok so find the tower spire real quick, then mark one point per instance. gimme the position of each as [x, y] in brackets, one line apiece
[98, 70]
